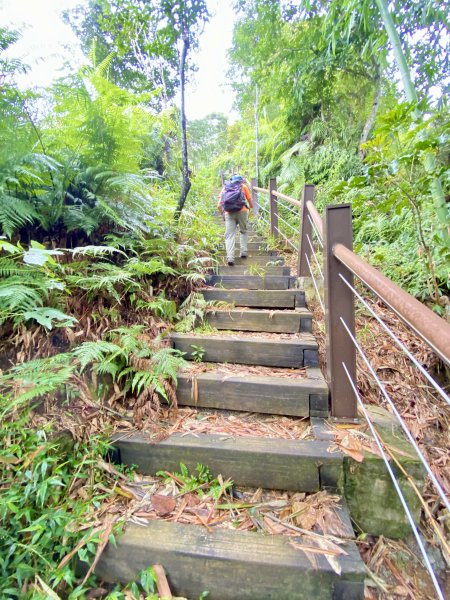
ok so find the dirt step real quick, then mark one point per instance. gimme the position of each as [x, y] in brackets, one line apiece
[251, 282]
[271, 463]
[275, 321]
[231, 565]
[248, 269]
[295, 352]
[257, 298]
[221, 389]
[262, 259]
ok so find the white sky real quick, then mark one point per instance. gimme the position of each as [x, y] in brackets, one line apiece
[47, 43]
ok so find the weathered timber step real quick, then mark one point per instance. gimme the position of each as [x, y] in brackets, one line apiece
[260, 252]
[258, 270]
[271, 463]
[262, 259]
[249, 393]
[271, 321]
[292, 353]
[252, 246]
[257, 298]
[251, 282]
[231, 565]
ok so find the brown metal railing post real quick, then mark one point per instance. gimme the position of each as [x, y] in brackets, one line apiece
[253, 184]
[305, 231]
[339, 304]
[273, 207]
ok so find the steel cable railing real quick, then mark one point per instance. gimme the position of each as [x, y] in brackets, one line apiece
[313, 279]
[412, 358]
[403, 425]
[291, 210]
[285, 238]
[263, 219]
[313, 252]
[416, 317]
[316, 231]
[409, 516]
[287, 223]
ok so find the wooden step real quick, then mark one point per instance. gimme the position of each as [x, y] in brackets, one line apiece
[261, 259]
[255, 246]
[272, 321]
[251, 282]
[248, 269]
[274, 395]
[301, 351]
[231, 565]
[257, 298]
[260, 252]
[271, 463]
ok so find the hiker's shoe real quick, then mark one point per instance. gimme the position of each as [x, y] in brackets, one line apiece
[243, 256]
[230, 263]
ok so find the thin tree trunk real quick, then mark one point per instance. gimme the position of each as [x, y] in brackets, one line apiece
[257, 133]
[186, 184]
[373, 115]
[429, 162]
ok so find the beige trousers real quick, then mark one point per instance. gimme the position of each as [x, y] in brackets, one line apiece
[232, 220]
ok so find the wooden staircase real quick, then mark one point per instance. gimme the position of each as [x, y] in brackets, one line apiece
[267, 324]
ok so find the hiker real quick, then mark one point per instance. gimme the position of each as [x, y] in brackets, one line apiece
[235, 202]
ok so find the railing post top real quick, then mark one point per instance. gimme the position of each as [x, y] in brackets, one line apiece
[334, 206]
[308, 192]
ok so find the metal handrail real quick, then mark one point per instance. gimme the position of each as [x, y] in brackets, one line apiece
[287, 198]
[434, 330]
[317, 219]
[431, 328]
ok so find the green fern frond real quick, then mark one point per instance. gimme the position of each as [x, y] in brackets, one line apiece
[149, 267]
[100, 352]
[128, 338]
[168, 362]
[160, 306]
[15, 213]
[37, 378]
[17, 298]
[96, 251]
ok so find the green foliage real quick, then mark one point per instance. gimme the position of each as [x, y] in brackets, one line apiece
[395, 217]
[40, 518]
[127, 355]
[198, 352]
[25, 288]
[201, 482]
[192, 312]
[144, 43]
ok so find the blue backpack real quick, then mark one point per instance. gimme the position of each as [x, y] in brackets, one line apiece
[233, 199]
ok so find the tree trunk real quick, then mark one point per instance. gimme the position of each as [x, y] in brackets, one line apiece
[257, 133]
[186, 184]
[429, 161]
[373, 114]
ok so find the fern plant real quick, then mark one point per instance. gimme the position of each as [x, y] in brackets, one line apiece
[131, 358]
[29, 280]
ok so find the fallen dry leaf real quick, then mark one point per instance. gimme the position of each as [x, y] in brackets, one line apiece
[163, 505]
